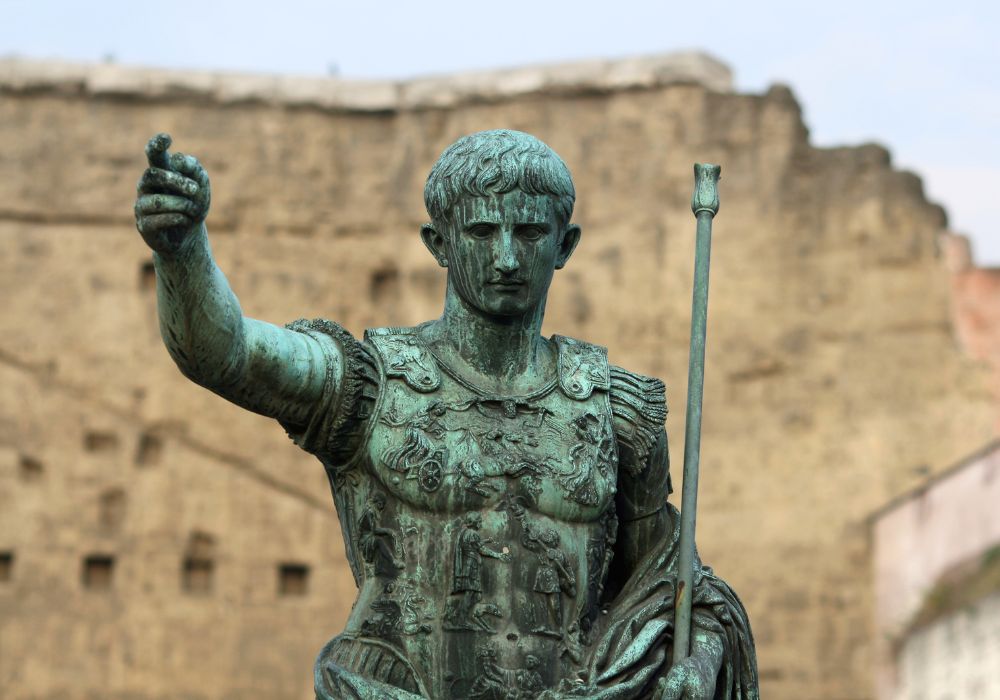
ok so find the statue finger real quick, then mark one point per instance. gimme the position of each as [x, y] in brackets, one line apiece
[156, 151]
[188, 165]
[157, 180]
[165, 204]
[672, 687]
[162, 222]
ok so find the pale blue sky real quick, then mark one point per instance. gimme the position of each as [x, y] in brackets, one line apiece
[921, 77]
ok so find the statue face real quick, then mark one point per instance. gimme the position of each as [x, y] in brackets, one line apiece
[502, 250]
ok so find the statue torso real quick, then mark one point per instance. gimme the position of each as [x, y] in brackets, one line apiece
[479, 526]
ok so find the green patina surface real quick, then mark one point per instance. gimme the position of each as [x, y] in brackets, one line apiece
[503, 496]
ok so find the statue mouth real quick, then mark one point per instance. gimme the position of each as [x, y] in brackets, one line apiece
[507, 284]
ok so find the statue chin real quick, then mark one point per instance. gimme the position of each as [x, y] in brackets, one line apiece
[501, 302]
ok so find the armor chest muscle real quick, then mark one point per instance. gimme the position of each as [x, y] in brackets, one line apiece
[453, 450]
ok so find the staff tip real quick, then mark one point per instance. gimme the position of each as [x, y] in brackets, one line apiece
[706, 190]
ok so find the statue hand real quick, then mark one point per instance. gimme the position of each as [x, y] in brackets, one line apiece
[173, 197]
[691, 679]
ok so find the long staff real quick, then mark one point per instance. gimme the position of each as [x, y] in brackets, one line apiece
[705, 205]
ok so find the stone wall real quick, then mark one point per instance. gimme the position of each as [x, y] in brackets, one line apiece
[155, 536]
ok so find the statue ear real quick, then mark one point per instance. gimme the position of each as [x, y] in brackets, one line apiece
[570, 237]
[435, 243]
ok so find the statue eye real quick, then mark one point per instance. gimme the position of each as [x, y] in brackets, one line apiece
[530, 233]
[480, 231]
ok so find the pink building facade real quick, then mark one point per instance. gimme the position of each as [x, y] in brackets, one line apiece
[937, 605]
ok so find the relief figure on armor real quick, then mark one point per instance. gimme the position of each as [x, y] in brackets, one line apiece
[465, 611]
[430, 433]
[495, 682]
[553, 577]
[379, 545]
[529, 680]
[386, 615]
[399, 610]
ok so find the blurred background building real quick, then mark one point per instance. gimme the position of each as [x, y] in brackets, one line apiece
[157, 542]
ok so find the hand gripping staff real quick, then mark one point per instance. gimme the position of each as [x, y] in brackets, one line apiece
[705, 205]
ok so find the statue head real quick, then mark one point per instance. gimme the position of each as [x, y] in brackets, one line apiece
[486, 653]
[500, 204]
[550, 538]
[474, 520]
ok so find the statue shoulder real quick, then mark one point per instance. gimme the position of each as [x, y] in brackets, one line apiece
[336, 428]
[639, 409]
[403, 355]
[325, 328]
[583, 367]
[355, 358]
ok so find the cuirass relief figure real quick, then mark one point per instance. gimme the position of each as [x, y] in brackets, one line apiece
[503, 496]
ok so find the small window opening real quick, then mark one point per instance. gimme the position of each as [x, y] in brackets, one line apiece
[149, 451]
[31, 468]
[99, 441]
[147, 275]
[384, 284]
[198, 566]
[6, 566]
[111, 509]
[98, 571]
[197, 575]
[293, 579]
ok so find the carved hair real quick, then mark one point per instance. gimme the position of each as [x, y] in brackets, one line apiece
[496, 162]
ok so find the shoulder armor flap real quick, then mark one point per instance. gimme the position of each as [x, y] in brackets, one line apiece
[639, 408]
[404, 356]
[583, 367]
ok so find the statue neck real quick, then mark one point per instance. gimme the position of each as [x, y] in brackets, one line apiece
[506, 354]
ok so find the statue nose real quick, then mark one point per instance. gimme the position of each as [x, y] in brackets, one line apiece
[506, 260]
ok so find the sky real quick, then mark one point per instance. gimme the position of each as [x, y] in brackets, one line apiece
[921, 78]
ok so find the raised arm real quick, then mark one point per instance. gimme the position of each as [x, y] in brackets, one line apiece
[270, 370]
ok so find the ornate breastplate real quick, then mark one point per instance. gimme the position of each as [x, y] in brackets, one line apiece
[481, 524]
[439, 443]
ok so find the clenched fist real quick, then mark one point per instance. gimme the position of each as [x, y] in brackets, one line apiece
[694, 677]
[173, 197]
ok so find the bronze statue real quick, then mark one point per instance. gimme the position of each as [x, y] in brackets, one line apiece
[503, 496]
